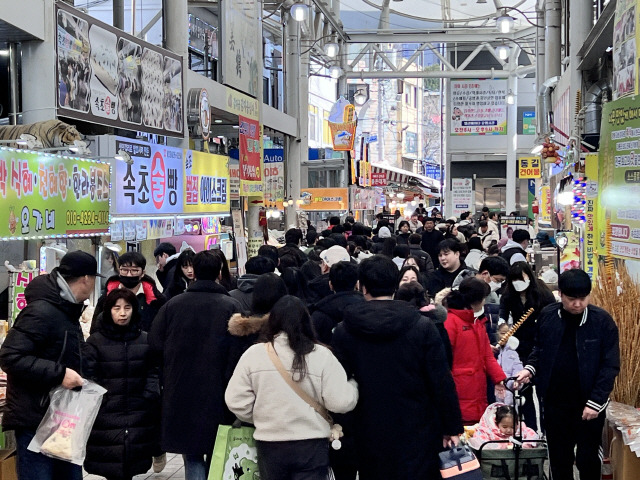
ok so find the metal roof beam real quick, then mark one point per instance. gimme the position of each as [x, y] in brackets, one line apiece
[440, 36]
[520, 71]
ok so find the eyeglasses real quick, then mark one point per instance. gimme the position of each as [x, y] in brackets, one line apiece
[130, 271]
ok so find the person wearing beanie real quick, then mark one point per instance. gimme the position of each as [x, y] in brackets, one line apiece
[574, 375]
[41, 352]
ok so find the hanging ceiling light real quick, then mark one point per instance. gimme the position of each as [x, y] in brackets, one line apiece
[360, 97]
[331, 49]
[537, 149]
[290, 201]
[503, 52]
[504, 23]
[335, 72]
[511, 98]
[299, 12]
[275, 213]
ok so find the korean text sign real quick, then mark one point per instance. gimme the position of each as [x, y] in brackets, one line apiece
[250, 134]
[478, 107]
[46, 195]
[619, 175]
[529, 167]
[206, 182]
[152, 183]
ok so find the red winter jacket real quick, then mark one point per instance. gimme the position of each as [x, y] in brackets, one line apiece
[473, 361]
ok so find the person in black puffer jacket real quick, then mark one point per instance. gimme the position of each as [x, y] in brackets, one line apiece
[118, 357]
[42, 351]
[327, 313]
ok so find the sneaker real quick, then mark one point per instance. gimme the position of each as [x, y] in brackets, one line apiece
[159, 463]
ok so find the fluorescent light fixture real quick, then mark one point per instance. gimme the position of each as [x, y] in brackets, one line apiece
[503, 52]
[217, 120]
[4, 53]
[335, 72]
[299, 12]
[331, 49]
[504, 23]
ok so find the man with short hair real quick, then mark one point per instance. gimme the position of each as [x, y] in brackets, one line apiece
[254, 267]
[333, 221]
[515, 249]
[270, 252]
[131, 275]
[493, 225]
[575, 361]
[486, 235]
[404, 381]
[42, 351]
[415, 225]
[431, 238]
[450, 266]
[292, 239]
[319, 288]
[415, 250]
[191, 338]
[166, 260]
[312, 238]
[343, 277]
[465, 219]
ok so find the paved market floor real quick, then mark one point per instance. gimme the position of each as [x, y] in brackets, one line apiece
[174, 471]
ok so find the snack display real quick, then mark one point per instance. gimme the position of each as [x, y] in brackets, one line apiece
[152, 88]
[627, 420]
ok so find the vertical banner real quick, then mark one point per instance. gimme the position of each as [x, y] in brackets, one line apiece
[241, 241]
[18, 281]
[250, 134]
[462, 195]
[274, 175]
[545, 205]
[591, 225]
[619, 175]
[531, 189]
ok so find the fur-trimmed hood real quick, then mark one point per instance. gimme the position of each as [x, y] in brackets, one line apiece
[243, 326]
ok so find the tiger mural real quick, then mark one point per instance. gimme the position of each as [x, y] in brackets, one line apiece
[52, 133]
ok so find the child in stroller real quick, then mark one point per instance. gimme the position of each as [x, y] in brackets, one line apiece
[497, 423]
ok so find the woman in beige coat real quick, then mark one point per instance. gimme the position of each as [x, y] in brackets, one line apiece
[291, 437]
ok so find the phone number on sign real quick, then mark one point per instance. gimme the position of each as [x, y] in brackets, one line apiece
[87, 217]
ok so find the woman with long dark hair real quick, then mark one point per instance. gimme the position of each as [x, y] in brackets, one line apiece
[183, 274]
[228, 281]
[473, 358]
[291, 437]
[524, 291]
[118, 357]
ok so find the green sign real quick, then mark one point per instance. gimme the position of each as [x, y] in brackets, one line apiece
[619, 176]
[43, 195]
[18, 283]
[528, 123]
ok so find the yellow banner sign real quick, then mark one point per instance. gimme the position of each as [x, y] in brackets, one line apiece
[529, 167]
[324, 199]
[206, 182]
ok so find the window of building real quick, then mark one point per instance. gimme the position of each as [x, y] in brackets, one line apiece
[313, 123]
[326, 131]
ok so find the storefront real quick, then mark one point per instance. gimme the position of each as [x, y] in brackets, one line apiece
[50, 204]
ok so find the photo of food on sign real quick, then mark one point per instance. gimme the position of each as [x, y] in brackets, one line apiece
[74, 69]
[104, 68]
[130, 88]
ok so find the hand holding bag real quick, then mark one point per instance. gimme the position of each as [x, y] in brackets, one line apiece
[64, 431]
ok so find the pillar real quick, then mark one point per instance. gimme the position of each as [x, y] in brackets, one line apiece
[512, 138]
[175, 19]
[118, 14]
[296, 104]
[39, 81]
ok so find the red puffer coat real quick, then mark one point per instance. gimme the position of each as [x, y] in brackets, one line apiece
[473, 361]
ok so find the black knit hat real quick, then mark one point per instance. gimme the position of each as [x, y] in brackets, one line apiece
[78, 264]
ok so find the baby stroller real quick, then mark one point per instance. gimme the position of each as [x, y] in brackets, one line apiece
[515, 463]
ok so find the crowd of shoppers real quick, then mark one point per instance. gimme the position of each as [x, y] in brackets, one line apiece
[399, 345]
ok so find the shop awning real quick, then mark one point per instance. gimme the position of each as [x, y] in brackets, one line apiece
[405, 177]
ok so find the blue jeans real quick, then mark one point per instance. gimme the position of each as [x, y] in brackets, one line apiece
[196, 467]
[35, 466]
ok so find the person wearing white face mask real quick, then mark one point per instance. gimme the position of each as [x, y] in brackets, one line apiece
[473, 359]
[523, 292]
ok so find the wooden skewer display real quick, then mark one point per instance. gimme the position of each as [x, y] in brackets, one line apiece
[503, 341]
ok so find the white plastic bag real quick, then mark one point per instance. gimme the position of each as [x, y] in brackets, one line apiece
[64, 431]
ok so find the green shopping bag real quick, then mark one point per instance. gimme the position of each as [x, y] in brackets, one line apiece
[235, 456]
